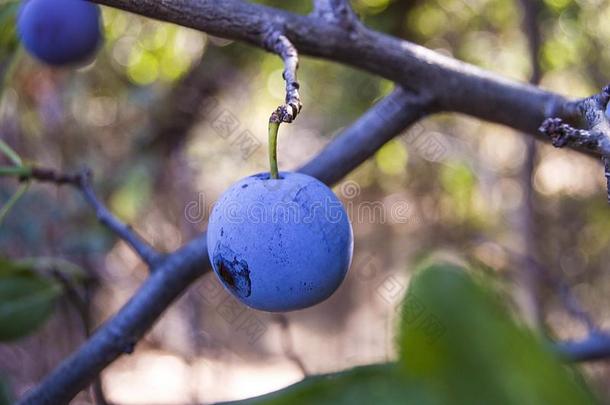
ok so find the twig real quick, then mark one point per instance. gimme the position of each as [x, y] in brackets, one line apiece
[597, 343]
[287, 343]
[606, 160]
[527, 227]
[574, 307]
[595, 138]
[596, 346]
[82, 304]
[82, 181]
[562, 134]
[281, 45]
[278, 43]
[124, 231]
[570, 302]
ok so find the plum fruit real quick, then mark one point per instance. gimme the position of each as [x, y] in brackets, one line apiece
[60, 32]
[280, 244]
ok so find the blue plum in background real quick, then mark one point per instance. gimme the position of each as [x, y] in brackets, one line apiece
[280, 244]
[60, 32]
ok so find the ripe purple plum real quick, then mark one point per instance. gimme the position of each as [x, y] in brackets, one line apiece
[60, 32]
[280, 244]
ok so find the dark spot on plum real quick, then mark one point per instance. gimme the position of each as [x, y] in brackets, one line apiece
[233, 272]
[244, 186]
[222, 232]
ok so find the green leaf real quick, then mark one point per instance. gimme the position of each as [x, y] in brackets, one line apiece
[65, 267]
[26, 301]
[377, 384]
[30, 265]
[15, 267]
[458, 339]
[8, 33]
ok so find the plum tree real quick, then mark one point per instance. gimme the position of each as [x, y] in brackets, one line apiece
[280, 244]
[60, 32]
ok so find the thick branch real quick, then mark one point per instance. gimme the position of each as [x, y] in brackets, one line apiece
[82, 181]
[456, 86]
[178, 270]
[360, 141]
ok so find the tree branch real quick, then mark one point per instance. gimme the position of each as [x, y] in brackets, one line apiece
[596, 346]
[173, 274]
[490, 96]
[82, 181]
[148, 254]
[371, 131]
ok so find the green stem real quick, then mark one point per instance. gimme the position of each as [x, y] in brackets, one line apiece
[273, 129]
[16, 171]
[10, 153]
[13, 200]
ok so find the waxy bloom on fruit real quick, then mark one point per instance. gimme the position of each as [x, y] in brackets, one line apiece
[280, 244]
[60, 32]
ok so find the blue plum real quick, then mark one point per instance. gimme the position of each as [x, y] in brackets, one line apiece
[280, 244]
[60, 32]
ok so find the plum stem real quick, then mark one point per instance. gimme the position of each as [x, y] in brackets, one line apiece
[273, 130]
[18, 171]
[275, 41]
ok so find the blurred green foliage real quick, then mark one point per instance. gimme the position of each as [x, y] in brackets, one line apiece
[8, 32]
[461, 342]
[150, 51]
[26, 299]
[129, 199]
[458, 345]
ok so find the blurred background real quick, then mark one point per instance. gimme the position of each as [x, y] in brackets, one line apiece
[167, 118]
